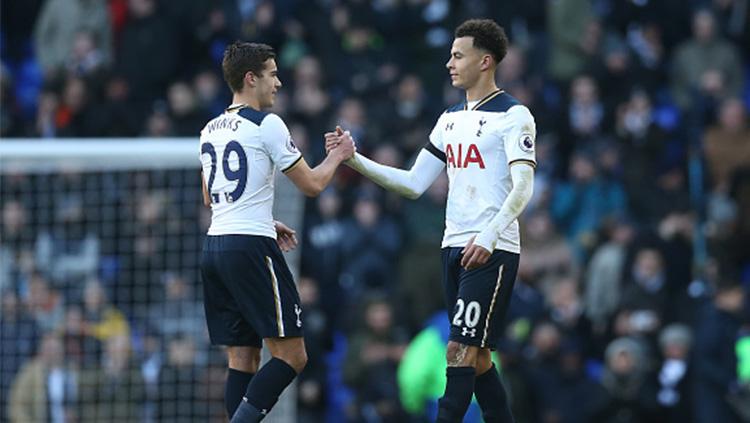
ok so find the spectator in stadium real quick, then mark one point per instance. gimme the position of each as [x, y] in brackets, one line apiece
[187, 118]
[674, 377]
[321, 258]
[630, 396]
[352, 114]
[645, 291]
[371, 362]
[60, 22]
[313, 386]
[310, 101]
[116, 115]
[715, 360]
[706, 66]
[573, 30]
[580, 205]
[642, 144]
[727, 144]
[412, 114]
[566, 310]
[571, 395]
[46, 387]
[604, 274]
[147, 78]
[424, 219]
[369, 248]
[546, 252]
[73, 117]
[158, 123]
[86, 57]
[179, 394]
[101, 320]
[11, 122]
[208, 91]
[45, 125]
[151, 356]
[115, 391]
[179, 313]
[68, 253]
[543, 356]
[19, 337]
[17, 247]
[586, 112]
[45, 303]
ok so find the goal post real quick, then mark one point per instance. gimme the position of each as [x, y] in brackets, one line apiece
[101, 241]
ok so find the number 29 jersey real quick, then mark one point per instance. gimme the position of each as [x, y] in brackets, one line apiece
[239, 152]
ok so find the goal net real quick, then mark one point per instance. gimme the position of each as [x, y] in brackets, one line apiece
[101, 314]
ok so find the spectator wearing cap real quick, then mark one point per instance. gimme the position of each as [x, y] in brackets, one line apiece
[674, 376]
[630, 397]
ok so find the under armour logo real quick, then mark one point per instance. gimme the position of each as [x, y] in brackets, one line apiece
[449, 126]
[481, 123]
[471, 332]
[298, 311]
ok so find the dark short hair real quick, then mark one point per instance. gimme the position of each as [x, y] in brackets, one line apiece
[488, 36]
[241, 57]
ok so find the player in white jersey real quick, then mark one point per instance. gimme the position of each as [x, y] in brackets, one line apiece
[487, 145]
[250, 296]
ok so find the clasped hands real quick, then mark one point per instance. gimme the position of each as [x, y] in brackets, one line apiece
[340, 139]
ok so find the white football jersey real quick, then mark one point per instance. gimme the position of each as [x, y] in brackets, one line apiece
[478, 146]
[240, 151]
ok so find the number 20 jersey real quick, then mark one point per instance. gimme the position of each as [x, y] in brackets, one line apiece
[478, 145]
[240, 151]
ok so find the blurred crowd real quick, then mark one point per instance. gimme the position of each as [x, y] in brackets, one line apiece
[631, 303]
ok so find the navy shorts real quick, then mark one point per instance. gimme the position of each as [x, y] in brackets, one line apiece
[478, 299]
[249, 292]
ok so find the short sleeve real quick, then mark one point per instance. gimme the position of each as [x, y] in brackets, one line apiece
[520, 137]
[436, 136]
[278, 142]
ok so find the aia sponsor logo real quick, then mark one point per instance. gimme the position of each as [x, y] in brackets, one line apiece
[463, 158]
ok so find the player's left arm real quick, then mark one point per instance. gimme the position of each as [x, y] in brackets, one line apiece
[206, 198]
[519, 143]
[479, 249]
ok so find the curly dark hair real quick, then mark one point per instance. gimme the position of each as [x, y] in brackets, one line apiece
[241, 57]
[488, 36]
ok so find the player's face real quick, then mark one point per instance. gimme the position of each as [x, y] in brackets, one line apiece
[267, 84]
[465, 63]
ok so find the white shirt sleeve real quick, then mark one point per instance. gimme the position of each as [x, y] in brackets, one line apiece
[277, 142]
[522, 174]
[436, 136]
[409, 183]
[520, 137]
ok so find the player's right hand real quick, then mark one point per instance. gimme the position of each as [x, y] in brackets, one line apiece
[333, 139]
[340, 142]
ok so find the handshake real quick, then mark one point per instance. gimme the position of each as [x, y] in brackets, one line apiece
[341, 144]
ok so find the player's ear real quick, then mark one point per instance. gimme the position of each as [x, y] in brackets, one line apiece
[250, 78]
[486, 62]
